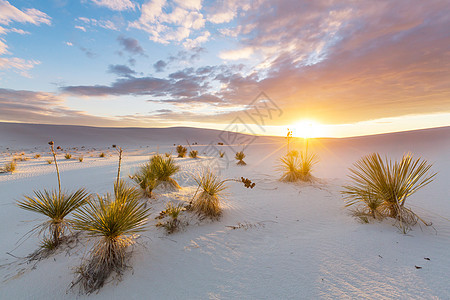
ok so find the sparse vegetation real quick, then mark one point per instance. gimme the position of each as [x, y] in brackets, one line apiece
[68, 156]
[181, 151]
[172, 212]
[9, 167]
[210, 193]
[56, 205]
[193, 153]
[168, 154]
[49, 161]
[145, 179]
[80, 159]
[240, 158]
[102, 154]
[37, 156]
[207, 202]
[380, 187]
[163, 169]
[296, 168]
[221, 154]
[113, 222]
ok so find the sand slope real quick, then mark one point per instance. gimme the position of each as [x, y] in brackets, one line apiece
[291, 241]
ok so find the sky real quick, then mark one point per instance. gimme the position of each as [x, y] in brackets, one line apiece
[320, 68]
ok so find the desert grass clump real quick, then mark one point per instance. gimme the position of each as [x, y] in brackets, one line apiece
[172, 212]
[382, 186]
[56, 205]
[68, 156]
[290, 166]
[145, 179]
[37, 156]
[240, 158]
[80, 159]
[49, 161]
[168, 154]
[211, 188]
[112, 222]
[102, 155]
[9, 167]
[297, 168]
[181, 151]
[307, 162]
[221, 154]
[193, 154]
[163, 169]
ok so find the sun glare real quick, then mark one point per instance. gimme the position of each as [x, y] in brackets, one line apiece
[307, 129]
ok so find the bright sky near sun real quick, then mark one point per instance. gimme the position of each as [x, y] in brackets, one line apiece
[332, 68]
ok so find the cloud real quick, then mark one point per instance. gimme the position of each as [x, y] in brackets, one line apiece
[88, 52]
[236, 54]
[190, 44]
[68, 44]
[82, 28]
[107, 24]
[43, 108]
[118, 5]
[160, 65]
[19, 64]
[9, 13]
[121, 70]
[130, 45]
[226, 11]
[177, 25]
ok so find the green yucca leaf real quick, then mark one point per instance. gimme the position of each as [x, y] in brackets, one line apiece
[113, 218]
[56, 206]
[388, 182]
[53, 204]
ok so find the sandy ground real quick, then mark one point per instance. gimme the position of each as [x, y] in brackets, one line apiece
[277, 241]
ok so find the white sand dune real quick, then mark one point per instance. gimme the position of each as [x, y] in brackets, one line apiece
[294, 241]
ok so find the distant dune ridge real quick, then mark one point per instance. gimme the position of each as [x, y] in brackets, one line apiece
[26, 135]
[30, 135]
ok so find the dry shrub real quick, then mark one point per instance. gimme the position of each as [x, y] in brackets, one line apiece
[181, 151]
[240, 158]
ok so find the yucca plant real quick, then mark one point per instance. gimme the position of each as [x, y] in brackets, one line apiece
[56, 205]
[113, 223]
[193, 154]
[181, 151]
[307, 161]
[391, 183]
[211, 192]
[240, 158]
[163, 169]
[296, 168]
[145, 179]
[290, 166]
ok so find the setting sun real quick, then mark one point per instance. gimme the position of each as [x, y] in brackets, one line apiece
[308, 129]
